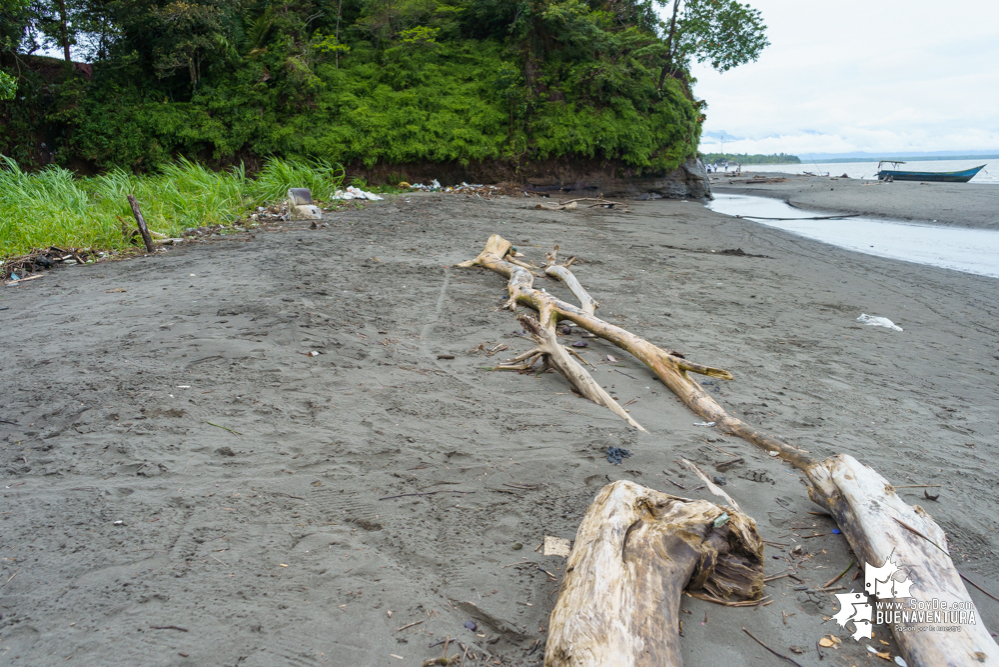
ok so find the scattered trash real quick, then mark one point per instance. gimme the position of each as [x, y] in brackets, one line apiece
[723, 517]
[301, 206]
[311, 353]
[878, 322]
[616, 455]
[557, 546]
[471, 625]
[118, 523]
[580, 343]
[571, 206]
[611, 357]
[899, 661]
[836, 531]
[445, 356]
[704, 424]
[356, 193]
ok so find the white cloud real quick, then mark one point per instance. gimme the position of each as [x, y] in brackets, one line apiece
[877, 75]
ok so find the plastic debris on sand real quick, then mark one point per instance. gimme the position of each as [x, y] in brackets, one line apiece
[878, 322]
[615, 455]
[356, 193]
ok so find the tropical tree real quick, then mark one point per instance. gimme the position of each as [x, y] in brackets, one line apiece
[723, 33]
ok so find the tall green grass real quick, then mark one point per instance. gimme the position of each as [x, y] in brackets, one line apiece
[53, 207]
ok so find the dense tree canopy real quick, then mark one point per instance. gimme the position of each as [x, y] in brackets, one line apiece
[362, 81]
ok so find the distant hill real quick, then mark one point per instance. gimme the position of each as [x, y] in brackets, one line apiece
[776, 158]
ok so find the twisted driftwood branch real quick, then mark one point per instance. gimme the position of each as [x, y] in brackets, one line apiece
[670, 368]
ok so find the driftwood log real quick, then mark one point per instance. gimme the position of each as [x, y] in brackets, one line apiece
[879, 525]
[875, 521]
[636, 550]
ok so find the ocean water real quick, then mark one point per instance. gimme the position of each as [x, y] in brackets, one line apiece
[957, 248]
[868, 170]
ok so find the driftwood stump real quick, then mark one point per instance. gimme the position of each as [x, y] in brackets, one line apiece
[636, 551]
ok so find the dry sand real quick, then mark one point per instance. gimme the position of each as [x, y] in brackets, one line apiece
[271, 544]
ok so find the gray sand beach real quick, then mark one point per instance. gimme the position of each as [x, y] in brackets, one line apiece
[183, 484]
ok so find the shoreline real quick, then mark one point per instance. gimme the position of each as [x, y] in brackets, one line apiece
[193, 415]
[971, 205]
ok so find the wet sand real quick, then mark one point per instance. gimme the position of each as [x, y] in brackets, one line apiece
[273, 543]
[972, 205]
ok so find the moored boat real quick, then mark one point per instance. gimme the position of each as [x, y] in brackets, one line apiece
[935, 176]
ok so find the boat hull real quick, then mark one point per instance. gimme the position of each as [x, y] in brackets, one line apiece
[932, 176]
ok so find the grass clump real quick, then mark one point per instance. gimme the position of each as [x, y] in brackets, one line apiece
[54, 208]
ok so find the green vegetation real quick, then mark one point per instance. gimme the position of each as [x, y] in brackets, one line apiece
[362, 82]
[735, 158]
[52, 207]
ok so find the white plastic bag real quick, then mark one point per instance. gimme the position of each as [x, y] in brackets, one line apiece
[878, 322]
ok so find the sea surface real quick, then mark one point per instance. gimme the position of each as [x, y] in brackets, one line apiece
[869, 170]
[957, 248]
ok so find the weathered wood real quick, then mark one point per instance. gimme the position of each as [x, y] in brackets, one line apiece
[673, 370]
[879, 524]
[146, 238]
[636, 550]
[869, 513]
[558, 357]
[562, 272]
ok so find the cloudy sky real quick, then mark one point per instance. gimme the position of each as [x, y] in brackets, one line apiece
[862, 75]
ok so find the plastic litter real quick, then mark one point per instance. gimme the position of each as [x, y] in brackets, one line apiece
[878, 322]
[704, 424]
[616, 455]
[356, 193]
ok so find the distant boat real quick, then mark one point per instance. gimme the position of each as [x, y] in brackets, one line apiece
[936, 176]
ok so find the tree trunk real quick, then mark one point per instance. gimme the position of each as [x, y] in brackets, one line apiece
[64, 30]
[636, 551]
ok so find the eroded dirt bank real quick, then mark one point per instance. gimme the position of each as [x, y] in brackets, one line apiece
[272, 543]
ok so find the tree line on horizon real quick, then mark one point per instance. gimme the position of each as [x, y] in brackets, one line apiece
[361, 81]
[744, 158]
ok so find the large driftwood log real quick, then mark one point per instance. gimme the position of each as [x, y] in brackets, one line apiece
[870, 515]
[636, 550]
[879, 525]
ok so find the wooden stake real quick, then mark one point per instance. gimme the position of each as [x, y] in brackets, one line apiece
[146, 238]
